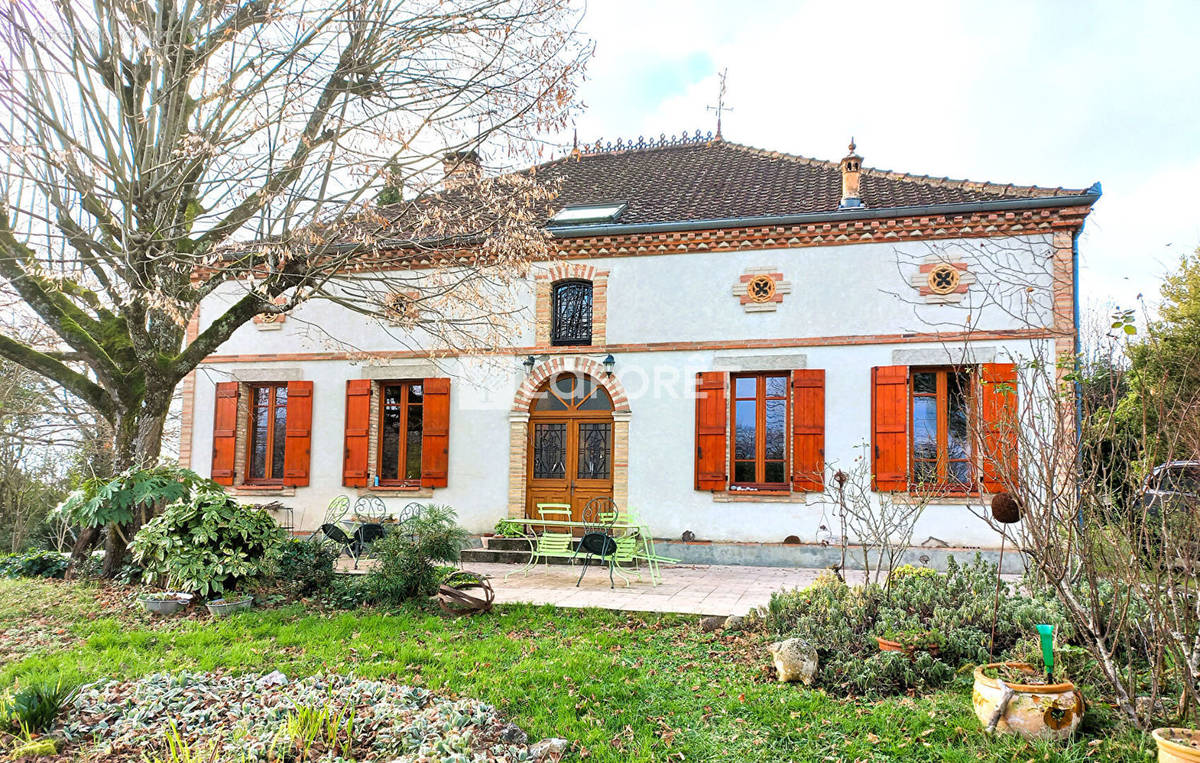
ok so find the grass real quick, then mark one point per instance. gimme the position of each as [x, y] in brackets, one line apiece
[622, 687]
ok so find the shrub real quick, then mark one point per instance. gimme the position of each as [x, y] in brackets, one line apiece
[953, 610]
[207, 543]
[35, 707]
[306, 565]
[407, 556]
[34, 564]
[113, 501]
[344, 592]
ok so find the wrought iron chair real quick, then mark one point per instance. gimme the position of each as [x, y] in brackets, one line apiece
[549, 544]
[336, 510]
[602, 508]
[344, 542]
[364, 536]
[598, 542]
[370, 507]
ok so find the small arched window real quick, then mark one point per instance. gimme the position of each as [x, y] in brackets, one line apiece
[571, 313]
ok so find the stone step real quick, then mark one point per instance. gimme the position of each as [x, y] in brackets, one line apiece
[506, 544]
[502, 556]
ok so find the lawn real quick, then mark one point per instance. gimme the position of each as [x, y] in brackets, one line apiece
[621, 687]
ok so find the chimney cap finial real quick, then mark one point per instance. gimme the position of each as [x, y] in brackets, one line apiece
[853, 147]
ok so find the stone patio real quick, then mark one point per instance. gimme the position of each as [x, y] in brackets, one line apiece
[691, 589]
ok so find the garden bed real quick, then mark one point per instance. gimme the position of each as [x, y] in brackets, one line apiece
[332, 717]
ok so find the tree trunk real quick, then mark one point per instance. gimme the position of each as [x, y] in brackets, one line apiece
[138, 445]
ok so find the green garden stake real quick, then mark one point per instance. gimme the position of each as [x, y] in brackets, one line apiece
[1047, 635]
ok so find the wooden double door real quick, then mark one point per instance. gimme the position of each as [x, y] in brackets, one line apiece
[570, 445]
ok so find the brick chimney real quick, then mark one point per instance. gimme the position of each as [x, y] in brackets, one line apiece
[460, 167]
[851, 173]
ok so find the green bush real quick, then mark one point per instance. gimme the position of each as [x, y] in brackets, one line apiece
[107, 501]
[953, 610]
[407, 556]
[34, 564]
[306, 566]
[207, 543]
[344, 592]
[34, 707]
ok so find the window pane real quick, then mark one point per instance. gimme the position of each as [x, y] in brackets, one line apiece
[416, 393]
[595, 450]
[925, 382]
[959, 472]
[390, 457]
[776, 434]
[412, 451]
[925, 427]
[746, 386]
[393, 394]
[599, 401]
[572, 313]
[743, 471]
[549, 451]
[546, 401]
[258, 425]
[773, 472]
[563, 385]
[745, 412]
[777, 386]
[957, 417]
[280, 433]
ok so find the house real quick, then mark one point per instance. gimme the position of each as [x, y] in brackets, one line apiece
[723, 329]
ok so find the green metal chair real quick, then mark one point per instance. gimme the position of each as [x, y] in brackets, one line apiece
[548, 545]
[647, 552]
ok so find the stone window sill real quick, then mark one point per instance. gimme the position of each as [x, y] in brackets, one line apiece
[758, 496]
[404, 490]
[284, 490]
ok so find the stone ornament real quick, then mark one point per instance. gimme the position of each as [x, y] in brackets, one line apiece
[271, 321]
[761, 290]
[795, 660]
[941, 281]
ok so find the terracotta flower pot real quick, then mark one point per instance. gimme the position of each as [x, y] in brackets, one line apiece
[1177, 745]
[887, 645]
[1036, 711]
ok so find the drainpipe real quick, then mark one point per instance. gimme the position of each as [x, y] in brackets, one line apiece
[1078, 385]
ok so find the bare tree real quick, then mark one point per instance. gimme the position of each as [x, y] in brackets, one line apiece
[157, 153]
[1123, 567]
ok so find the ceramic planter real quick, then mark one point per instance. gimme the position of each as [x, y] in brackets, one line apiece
[166, 603]
[1036, 711]
[887, 645]
[1177, 745]
[226, 607]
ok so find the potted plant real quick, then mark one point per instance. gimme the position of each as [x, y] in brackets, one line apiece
[1177, 745]
[1016, 698]
[165, 602]
[226, 606]
[910, 641]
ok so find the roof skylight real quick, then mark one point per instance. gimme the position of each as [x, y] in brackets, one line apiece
[588, 213]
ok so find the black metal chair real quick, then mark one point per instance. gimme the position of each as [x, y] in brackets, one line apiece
[364, 536]
[344, 542]
[597, 541]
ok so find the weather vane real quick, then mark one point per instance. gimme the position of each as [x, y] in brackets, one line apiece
[720, 108]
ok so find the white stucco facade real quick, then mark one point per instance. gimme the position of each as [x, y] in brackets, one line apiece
[850, 308]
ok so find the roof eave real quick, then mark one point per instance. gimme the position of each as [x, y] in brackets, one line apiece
[1087, 198]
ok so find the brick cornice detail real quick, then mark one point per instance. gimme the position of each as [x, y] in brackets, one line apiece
[834, 233]
[731, 344]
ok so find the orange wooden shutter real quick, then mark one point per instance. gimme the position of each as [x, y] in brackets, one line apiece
[889, 427]
[297, 447]
[998, 395]
[435, 433]
[358, 432]
[224, 433]
[711, 413]
[808, 429]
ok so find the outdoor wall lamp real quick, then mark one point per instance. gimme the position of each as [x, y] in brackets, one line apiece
[609, 364]
[529, 362]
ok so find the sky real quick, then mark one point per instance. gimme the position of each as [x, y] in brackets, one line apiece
[1051, 93]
